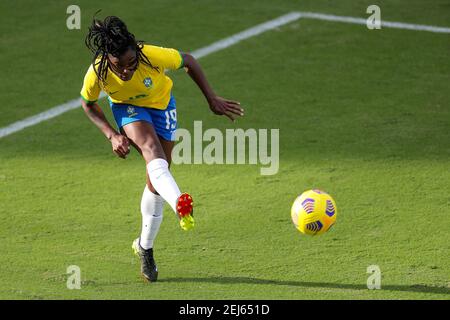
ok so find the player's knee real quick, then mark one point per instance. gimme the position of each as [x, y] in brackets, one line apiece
[151, 203]
[152, 150]
[152, 189]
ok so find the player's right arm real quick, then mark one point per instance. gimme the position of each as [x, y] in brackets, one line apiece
[90, 93]
[119, 143]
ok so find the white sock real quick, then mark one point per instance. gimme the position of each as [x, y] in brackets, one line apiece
[163, 182]
[152, 215]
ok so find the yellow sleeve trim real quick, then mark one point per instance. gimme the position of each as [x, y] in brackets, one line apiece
[88, 101]
[182, 60]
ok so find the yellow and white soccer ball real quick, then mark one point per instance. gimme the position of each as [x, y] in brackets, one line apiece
[314, 212]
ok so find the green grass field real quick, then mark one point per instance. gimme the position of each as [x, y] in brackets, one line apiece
[364, 115]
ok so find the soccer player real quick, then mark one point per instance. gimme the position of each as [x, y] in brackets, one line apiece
[132, 74]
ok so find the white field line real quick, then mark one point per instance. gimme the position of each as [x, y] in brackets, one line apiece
[202, 52]
[254, 31]
[386, 24]
[220, 45]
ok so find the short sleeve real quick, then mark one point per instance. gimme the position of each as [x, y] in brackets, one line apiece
[91, 88]
[166, 58]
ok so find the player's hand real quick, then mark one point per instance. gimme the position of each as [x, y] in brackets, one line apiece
[220, 106]
[120, 145]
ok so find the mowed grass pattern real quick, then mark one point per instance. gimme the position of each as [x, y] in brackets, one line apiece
[362, 114]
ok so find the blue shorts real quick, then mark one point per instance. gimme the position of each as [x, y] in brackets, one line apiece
[164, 121]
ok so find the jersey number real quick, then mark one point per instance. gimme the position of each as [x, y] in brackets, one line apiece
[171, 119]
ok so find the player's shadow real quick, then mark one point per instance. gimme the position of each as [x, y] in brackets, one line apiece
[247, 280]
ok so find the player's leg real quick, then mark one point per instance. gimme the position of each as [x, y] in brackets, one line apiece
[167, 147]
[152, 204]
[185, 209]
[143, 136]
[165, 124]
[145, 140]
[137, 124]
[151, 210]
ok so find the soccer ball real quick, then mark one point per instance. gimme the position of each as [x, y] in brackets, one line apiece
[314, 212]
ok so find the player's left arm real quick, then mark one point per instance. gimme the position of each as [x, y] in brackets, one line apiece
[218, 105]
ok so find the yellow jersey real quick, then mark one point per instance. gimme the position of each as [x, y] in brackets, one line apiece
[147, 88]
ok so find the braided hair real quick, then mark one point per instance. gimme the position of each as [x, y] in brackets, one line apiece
[111, 36]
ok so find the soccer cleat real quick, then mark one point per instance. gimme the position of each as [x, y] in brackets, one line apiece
[185, 211]
[148, 267]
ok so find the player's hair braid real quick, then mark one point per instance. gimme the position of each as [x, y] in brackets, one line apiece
[111, 36]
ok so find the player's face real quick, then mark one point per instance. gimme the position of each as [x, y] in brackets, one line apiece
[125, 65]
